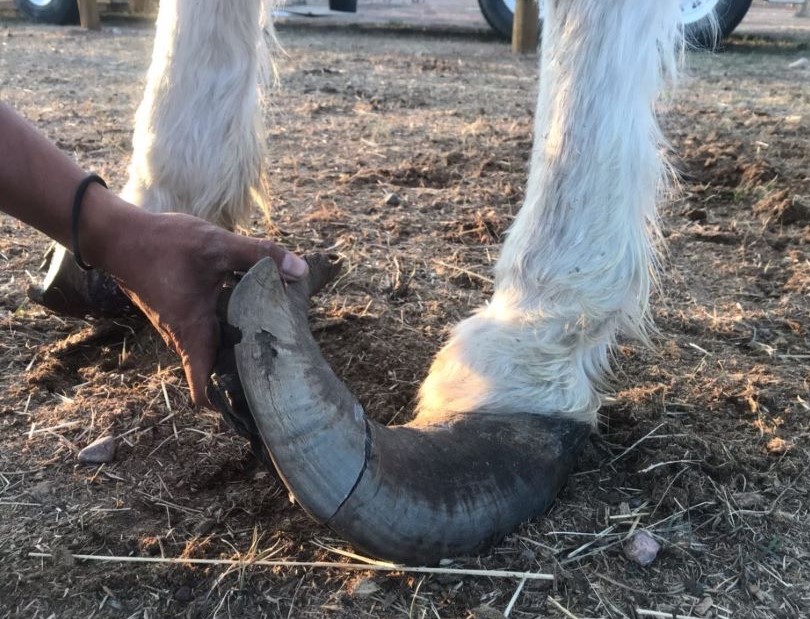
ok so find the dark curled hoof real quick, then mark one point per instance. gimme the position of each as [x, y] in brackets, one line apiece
[440, 486]
[70, 291]
[224, 389]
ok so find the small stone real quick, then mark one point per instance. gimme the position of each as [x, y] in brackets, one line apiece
[801, 63]
[642, 548]
[99, 451]
[704, 606]
[364, 588]
[393, 199]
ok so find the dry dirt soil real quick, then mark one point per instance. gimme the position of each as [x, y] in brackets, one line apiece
[704, 442]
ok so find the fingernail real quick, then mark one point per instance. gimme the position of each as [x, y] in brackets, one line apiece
[293, 267]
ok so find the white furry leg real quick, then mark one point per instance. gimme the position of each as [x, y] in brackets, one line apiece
[197, 145]
[576, 266]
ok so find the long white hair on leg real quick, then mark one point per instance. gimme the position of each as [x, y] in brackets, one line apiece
[198, 141]
[577, 264]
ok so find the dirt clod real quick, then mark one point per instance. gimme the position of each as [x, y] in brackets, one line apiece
[487, 612]
[183, 594]
[777, 446]
[41, 491]
[783, 208]
[696, 214]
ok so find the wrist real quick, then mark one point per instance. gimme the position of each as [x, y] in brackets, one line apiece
[108, 226]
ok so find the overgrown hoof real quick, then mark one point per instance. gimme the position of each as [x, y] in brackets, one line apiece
[417, 493]
[224, 389]
[70, 291]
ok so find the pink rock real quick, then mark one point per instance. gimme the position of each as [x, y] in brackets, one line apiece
[642, 548]
[99, 451]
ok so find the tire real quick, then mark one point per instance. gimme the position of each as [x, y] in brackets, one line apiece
[697, 27]
[49, 11]
[499, 15]
[702, 33]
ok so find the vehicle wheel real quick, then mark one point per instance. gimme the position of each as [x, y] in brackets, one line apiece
[49, 11]
[499, 14]
[697, 21]
[696, 18]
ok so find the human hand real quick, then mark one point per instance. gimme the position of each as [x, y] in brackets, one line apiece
[172, 266]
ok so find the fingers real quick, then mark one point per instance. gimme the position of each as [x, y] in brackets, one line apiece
[198, 353]
[244, 252]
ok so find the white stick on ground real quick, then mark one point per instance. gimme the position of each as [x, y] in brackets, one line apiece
[448, 571]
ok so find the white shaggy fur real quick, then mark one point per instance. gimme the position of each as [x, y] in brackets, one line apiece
[198, 140]
[576, 266]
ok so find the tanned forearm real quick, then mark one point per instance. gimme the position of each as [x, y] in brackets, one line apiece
[37, 185]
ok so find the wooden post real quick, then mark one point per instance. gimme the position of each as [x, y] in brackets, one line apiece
[525, 27]
[88, 14]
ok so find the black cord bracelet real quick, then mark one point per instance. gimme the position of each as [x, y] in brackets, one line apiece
[77, 208]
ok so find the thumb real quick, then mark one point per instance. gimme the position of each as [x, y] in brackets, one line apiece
[244, 252]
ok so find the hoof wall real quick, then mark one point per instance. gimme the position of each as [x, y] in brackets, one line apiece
[70, 291]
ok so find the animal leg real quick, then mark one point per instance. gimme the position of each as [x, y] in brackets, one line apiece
[198, 139]
[577, 264]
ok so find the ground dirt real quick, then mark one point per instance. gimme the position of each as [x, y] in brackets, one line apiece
[705, 442]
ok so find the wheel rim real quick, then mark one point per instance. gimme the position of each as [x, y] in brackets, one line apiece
[41, 3]
[695, 10]
[691, 10]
